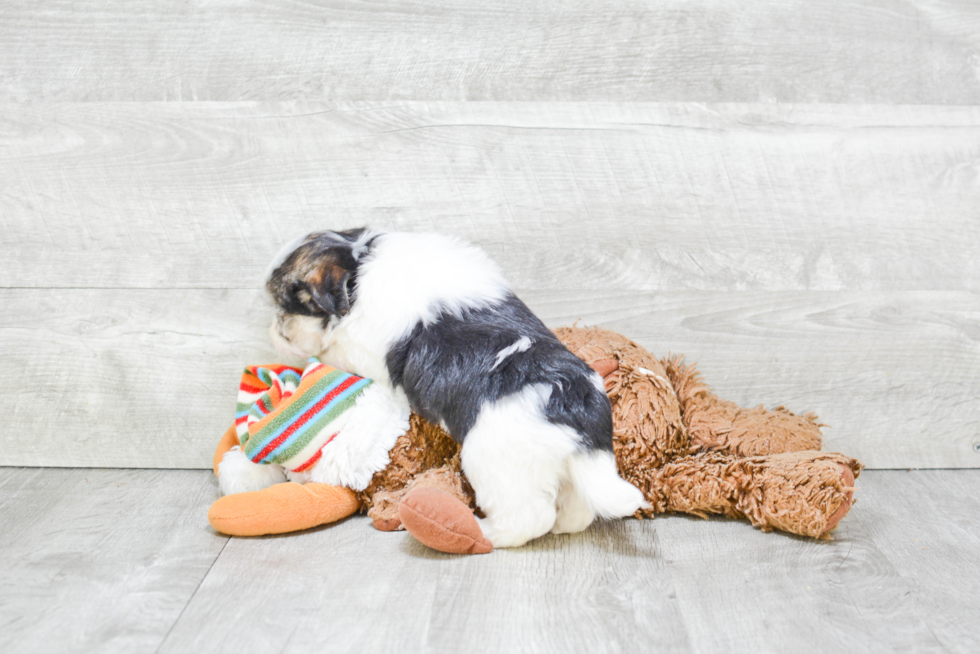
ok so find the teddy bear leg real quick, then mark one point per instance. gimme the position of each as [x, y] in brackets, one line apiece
[699, 485]
[805, 493]
[718, 425]
[282, 508]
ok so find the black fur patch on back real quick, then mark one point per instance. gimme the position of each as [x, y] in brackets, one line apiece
[447, 370]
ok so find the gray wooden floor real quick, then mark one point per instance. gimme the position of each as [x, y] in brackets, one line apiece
[125, 561]
[787, 192]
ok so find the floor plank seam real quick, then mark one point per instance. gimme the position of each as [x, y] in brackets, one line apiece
[190, 599]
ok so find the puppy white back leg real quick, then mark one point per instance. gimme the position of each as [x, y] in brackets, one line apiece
[516, 520]
[514, 459]
[574, 514]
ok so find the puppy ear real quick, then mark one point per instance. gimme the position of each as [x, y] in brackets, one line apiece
[343, 299]
[323, 299]
[332, 296]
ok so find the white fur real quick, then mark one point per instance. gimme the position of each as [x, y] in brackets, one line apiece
[530, 476]
[237, 473]
[360, 246]
[360, 448]
[407, 278]
[515, 461]
[305, 336]
[594, 481]
[523, 344]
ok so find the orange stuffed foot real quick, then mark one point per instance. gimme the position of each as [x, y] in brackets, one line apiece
[282, 508]
[443, 522]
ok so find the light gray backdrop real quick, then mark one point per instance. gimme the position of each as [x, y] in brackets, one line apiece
[796, 209]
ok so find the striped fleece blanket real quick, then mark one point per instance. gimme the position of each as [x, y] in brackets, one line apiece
[286, 415]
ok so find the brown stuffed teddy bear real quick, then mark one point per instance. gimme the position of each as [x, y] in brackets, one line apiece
[685, 448]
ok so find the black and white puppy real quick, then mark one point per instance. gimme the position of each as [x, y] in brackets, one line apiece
[434, 318]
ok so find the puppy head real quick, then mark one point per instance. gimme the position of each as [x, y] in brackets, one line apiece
[313, 283]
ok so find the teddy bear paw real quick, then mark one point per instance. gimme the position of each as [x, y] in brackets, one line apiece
[441, 521]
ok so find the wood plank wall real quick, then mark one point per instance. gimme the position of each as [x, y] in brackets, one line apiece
[789, 193]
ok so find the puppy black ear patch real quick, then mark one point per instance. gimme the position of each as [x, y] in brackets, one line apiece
[343, 296]
[323, 300]
[329, 286]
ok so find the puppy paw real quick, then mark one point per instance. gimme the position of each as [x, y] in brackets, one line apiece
[441, 521]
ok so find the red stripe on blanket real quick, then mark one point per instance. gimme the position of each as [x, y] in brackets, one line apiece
[315, 457]
[279, 440]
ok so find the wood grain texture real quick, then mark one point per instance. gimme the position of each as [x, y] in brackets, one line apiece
[364, 590]
[894, 375]
[108, 560]
[674, 584]
[853, 51]
[100, 560]
[127, 379]
[590, 196]
[147, 378]
[872, 588]
[927, 524]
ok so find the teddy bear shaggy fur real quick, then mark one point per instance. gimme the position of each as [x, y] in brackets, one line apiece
[686, 449]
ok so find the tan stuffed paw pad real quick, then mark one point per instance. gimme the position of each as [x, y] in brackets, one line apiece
[847, 477]
[441, 521]
[390, 524]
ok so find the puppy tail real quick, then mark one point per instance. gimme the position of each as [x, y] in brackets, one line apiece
[596, 480]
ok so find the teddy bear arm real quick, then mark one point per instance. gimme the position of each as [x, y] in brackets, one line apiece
[281, 509]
